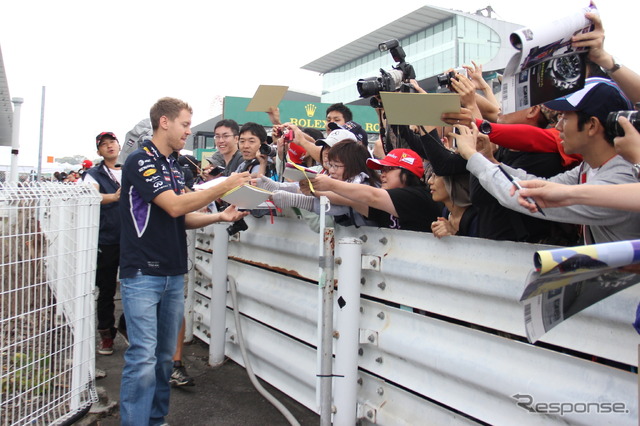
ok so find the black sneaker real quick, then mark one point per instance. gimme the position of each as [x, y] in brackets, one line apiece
[179, 377]
[123, 332]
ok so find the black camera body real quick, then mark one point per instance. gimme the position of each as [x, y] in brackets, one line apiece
[615, 129]
[395, 80]
[444, 79]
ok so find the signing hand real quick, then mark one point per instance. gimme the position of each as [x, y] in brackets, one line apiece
[545, 193]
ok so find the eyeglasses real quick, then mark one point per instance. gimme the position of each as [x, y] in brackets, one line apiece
[335, 166]
[222, 137]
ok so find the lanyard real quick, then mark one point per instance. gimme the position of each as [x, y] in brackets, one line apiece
[112, 176]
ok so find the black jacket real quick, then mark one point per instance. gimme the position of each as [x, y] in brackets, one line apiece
[109, 213]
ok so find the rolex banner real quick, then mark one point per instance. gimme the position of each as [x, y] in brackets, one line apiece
[302, 114]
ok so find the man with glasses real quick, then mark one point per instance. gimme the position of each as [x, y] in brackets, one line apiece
[227, 155]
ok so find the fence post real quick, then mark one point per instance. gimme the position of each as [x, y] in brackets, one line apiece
[86, 219]
[218, 304]
[188, 302]
[348, 329]
[326, 339]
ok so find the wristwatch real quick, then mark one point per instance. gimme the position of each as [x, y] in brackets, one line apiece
[616, 66]
[636, 170]
[485, 127]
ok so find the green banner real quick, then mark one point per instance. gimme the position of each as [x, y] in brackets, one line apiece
[302, 114]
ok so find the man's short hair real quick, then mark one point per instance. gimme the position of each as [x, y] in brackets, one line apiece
[341, 108]
[235, 128]
[255, 129]
[597, 99]
[167, 107]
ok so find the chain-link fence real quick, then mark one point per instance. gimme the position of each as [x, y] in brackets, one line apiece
[47, 270]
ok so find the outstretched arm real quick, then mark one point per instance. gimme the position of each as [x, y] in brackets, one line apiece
[550, 194]
[363, 194]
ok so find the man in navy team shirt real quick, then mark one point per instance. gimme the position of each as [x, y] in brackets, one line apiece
[155, 211]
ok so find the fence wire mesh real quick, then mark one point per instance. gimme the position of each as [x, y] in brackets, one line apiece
[48, 254]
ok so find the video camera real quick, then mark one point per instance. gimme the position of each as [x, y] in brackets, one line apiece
[615, 129]
[389, 81]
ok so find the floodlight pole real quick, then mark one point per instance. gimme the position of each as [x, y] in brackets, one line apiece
[15, 139]
[39, 174]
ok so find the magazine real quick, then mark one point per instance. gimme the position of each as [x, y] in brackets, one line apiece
[244, 197]
[296, 173]
[546, 66]
[568, 280]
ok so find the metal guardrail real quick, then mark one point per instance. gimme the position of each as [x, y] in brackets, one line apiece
[442, 331]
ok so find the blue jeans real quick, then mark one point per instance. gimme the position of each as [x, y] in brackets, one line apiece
[154, 308]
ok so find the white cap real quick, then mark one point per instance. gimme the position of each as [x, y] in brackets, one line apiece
[336, 136]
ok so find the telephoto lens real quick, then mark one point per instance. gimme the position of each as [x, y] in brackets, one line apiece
[268, 150]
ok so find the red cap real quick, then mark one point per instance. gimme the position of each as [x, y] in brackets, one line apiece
[104, 134]
[296, 153]
[87, 164]
[403, 158]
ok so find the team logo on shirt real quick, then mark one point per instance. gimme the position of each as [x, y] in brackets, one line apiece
[149, 172]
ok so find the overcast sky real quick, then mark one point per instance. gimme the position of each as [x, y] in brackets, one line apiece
[105, 64]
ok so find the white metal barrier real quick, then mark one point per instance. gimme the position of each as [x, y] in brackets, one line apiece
[47, 271]
[441, 331]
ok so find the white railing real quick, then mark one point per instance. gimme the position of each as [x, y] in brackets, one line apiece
[441, 331]
[47, 271]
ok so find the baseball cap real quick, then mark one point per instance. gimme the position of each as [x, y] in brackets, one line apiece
[403, 158]
[336, 136]
[597, 99]
[87, 164]
[104, 134]
[354, 128]
[296, 152]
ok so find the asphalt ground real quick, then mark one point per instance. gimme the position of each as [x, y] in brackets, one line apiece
[222, 395]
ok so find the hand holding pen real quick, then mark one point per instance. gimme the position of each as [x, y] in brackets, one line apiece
[518, 187]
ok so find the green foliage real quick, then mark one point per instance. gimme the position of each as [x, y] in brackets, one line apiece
[28, 372]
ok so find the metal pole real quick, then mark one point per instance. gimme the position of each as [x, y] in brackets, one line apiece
[326, 345]
[15, 139]
[189, 299]
[321, 274]
[218, 304]
[348, 328]
[39, 174]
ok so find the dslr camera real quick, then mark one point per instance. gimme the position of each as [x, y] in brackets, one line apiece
[268, 150]
[394, 80]
[615, 129]
[444, 79]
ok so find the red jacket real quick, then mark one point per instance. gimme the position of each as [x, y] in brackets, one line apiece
[527, 138]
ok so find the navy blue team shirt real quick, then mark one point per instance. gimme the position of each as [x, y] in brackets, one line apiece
[151, 240]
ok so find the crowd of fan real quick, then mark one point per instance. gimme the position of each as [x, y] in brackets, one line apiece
[455, 183]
